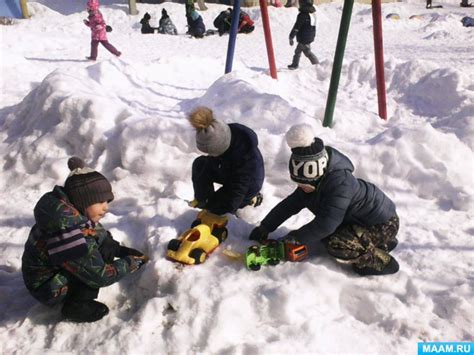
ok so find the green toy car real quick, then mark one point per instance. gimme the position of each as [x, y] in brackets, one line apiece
[274, 251]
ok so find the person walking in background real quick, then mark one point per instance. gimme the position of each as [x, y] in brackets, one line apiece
[355, 221]
[304, 30]
[69, 256]
[96, 23]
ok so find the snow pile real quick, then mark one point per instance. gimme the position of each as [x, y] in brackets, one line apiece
[127, 118]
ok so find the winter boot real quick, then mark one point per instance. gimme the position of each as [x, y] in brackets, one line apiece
[392, 244]
[391, 268]
[84, 311]
[293, 66]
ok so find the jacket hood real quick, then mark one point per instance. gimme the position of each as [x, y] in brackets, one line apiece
[338, 161]
[243, 139]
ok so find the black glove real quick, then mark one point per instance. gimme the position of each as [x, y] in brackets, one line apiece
[124, 251]
[108, 28]
[292, 42]
[109, 248]
[259, 234]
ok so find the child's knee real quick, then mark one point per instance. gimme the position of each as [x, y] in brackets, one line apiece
[345, 244]
[52, 292]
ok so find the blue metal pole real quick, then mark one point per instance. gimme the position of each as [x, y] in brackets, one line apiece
[232, 36]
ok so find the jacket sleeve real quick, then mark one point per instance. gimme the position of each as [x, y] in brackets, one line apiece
[332, 207]
[92, 269]
[296, 27]
[282, 211]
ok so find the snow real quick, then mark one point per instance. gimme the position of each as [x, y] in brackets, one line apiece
[127, 118]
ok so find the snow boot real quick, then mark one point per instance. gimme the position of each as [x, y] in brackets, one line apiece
[391, 268]
[392, 244]
[84, 311]
[292, 66]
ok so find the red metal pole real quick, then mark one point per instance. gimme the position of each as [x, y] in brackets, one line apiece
[379, 62]
[268, 38]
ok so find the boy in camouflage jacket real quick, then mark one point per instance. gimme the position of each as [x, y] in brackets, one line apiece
[69, 256]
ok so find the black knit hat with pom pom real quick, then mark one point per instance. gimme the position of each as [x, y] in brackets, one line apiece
[85, 187]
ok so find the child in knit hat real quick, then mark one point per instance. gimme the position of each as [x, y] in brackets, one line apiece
[96, 23]
[356, 222]
[196, 27]
[166, 26]
[233, 161]
[69, 256]
[145, 22]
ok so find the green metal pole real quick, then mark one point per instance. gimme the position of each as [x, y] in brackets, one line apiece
[132, 7]
[337, 66]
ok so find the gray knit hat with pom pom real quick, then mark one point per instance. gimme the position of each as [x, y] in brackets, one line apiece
[212, 136]
[85, 186]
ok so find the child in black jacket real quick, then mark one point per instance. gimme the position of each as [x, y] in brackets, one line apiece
[304, 30]
[145, 22]
[233, 161]
[356, 222]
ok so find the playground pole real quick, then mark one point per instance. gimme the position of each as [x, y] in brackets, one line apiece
[379, 62]
[24, 9]
[337, 66]
[132, 7]
[268, 38]
[232, 36]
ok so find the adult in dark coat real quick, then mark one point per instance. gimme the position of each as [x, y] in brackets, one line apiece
[354, 219]
[233, 160]
[196, 27]
[304, 30]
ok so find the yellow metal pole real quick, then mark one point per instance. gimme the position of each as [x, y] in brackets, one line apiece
[24, 9]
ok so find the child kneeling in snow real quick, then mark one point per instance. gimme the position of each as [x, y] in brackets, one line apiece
[356, 222]
[233, 161]
[196, 27]
[69, 255]
[166, 26]
[146, 27]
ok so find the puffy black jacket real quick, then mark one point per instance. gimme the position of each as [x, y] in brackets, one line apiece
[196, 26]
[243, 164]
[339, 198]
[304, 28]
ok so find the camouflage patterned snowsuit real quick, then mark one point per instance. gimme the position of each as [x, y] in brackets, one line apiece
[354, 219]
[48, 269]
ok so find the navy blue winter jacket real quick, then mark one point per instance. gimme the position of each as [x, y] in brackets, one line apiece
[304, 28]
[339, 198]
[196, 27]
[243, 164]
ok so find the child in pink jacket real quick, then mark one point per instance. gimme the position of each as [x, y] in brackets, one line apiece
[98, 30]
